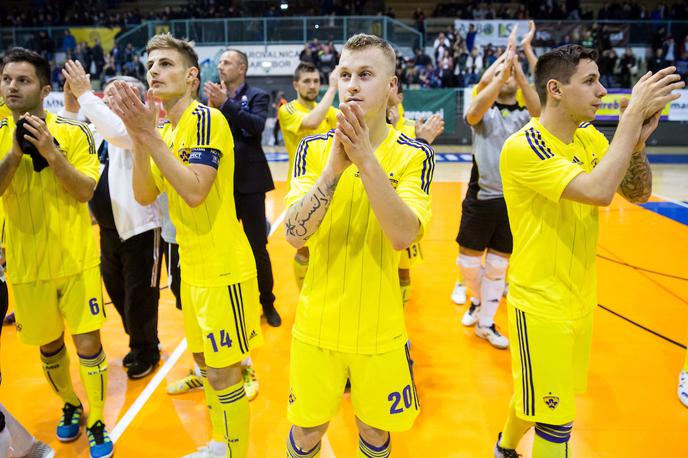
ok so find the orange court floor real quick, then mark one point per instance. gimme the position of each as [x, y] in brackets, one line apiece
[630, 410]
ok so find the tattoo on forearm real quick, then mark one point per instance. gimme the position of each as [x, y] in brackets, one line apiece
[636, 185]
[307, 211]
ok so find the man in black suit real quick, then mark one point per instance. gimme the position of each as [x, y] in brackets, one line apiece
[246, 109]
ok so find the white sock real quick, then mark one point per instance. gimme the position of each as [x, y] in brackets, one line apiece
[472, 272]
[491, 293]
[5, 443]
[21, 440]
[197, 370]
[247, 362]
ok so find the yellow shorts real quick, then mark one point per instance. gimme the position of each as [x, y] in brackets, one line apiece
[42, 307]
[222, 322]
[383, 392]
[549, 365]
[411, 256]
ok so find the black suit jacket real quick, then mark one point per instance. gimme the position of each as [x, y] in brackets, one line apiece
[247, 121]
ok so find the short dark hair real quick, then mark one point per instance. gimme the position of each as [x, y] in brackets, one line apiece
[559, 64]
[242, 56]
[40, 64]
[304, 67]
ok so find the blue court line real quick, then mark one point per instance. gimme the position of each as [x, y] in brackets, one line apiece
[467, 158]
[669, 209]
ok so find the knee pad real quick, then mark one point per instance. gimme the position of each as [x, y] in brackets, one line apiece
[557, 434]
[495, 266]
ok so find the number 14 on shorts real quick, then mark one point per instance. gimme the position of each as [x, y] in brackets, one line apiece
[222, 337]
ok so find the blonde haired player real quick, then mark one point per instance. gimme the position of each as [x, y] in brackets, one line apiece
[556, 172]
[191, 159]
[300, 118]
[424, 131]
[359, 194]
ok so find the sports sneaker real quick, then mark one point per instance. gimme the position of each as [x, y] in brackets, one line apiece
[143, 365]
[99, 442]
[272, 316]
[458, 296]
[208, 451]
[186, 384]
[251, 384]
[40, 449]
[129, 359]
[492, 335]
[70, 423]
[683, 388]
[470, 316]
[500, 452]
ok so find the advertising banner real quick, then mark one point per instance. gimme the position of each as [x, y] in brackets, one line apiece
[106, 36]
[262, 60]
[493, 31]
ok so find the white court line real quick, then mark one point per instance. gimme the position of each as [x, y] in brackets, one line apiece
[277, 223]
[669, 199]
[136, 407]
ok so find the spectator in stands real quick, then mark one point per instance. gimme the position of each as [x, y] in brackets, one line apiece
[474, 67]
[82, 53]
[656, 62]
[98, 56]
[327, 60]
[446, 71]
[307, 55]
[606, 64]
[45, 45]
[109, 70]
[588, 40]
[470, 37]
[410, 74]
[658, 39]
[669, 50]
[422, 59]
[627, 68]
[419, 20]
[68, 42]
[135, 68]
[429, 77]
[443, 41]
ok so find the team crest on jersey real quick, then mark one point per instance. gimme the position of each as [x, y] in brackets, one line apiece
[551, 401]
[292, 398]
[184, 155]
[594, 161]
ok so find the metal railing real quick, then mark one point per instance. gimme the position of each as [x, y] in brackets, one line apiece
[265, 31]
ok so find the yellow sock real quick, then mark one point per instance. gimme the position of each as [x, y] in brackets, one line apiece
[293, 450]
[216, 421]
[300, 269]
[514, 428]
[551, 441]
[685, 363]
[233, 408]
[56, 370]
[93, 370]
[365, 450]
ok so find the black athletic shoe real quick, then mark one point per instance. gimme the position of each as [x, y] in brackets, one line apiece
[500, 452]
[129, 359]
[272, 316]
[142, 366]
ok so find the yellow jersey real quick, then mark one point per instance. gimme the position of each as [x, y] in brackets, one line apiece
[5, 111]
[552, 269]
[403, 125]
[351, 299]
[213, 248]
[48, 231]
[290, 116]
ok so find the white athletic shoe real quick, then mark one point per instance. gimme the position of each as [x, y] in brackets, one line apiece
[458, 296]
[683, 388]
[40, 449]
[492, 335]
[470, 316]
[208, 451]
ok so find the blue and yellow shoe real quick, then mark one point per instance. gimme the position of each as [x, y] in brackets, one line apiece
[99, 442]
[70, 423]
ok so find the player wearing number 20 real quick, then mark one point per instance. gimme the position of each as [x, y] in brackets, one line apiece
[52, 257]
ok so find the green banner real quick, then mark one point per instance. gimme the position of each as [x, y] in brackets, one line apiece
[422, 103]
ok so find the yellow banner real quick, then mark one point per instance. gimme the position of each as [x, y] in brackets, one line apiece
[611, 107]
[106, 36]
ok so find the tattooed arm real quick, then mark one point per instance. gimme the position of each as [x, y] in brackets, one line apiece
[304, 217]
[636, 186]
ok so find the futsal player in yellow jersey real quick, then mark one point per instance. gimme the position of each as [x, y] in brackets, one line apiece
[52, 257]
[191, 158]
[359, 194]
[556, 172]
[423, 131]
[5, 111]
[302, 117]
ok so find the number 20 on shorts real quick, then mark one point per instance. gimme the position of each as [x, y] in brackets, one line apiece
[396, 398]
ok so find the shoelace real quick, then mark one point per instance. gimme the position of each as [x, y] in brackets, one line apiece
[68, 412]
[98, 432]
